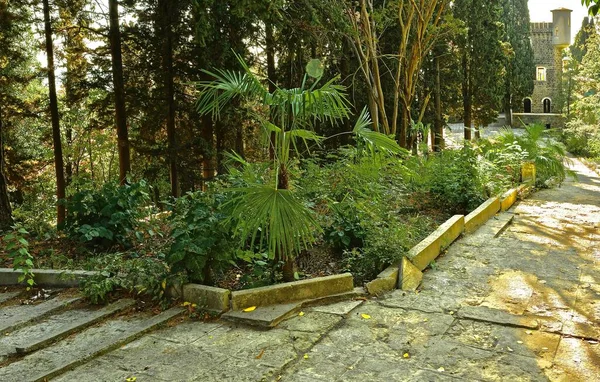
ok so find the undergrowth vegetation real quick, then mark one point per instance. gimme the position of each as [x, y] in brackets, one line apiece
[369, 208]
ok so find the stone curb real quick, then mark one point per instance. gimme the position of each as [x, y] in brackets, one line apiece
[47, 277]
[207, 297]
[429, 249]
[293, 291]
[385, 281]
[508, 199]
[482, 214]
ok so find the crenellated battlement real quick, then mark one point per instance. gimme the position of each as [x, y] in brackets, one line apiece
[541, 27]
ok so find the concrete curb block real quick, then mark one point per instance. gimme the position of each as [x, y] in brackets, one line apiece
[482, 214]
[385, 281]
[410, 276]
[429, 249]
[508, 199]
[47, 277]
[293, 291]
[207, 297]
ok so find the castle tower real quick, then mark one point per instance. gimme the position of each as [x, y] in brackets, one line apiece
[549, 41]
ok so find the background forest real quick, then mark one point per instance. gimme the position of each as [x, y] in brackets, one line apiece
[183, 101]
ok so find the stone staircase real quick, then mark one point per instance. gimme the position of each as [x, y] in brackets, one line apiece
[42, 339]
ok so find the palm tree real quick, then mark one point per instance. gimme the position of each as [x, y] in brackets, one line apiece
[272, 213]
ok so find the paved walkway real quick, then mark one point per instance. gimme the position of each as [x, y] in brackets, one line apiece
[519, 305]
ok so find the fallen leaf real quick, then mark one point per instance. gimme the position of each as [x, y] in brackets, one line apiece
[131, 379]
[194, 305]
[249, 309]
[509, 349]
[441, 369]
[164, 284]
[519, 342]
[305, 356]
[365, 316]
[451, 313]
[544, 348]
[425, 320]
[259, 356]
[406, 355]
[542, 281]
[529, 332]
[187, 303]
[301, 314]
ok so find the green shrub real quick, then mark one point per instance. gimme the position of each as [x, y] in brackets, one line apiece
[582, 139]
[202, 242]
[106, 217]
[449, 180]
[135, 274]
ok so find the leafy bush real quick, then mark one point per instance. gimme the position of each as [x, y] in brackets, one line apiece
[202, 242]
[449, 180]
[106, 217]
[139, 275]
[582, 139]
[548, 155]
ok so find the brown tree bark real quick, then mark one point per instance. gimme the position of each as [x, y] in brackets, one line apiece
[466, 93]
[6, 220]
[58, 155]
[271, 73]
[438, 127]
[119, 87]
[168, 16]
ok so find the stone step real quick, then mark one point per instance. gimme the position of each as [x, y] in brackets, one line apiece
[54, 360]
[6, 296]
[53, 328]
[16, 316]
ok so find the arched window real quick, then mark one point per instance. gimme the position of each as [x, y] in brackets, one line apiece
[527, 105]
[547, 105]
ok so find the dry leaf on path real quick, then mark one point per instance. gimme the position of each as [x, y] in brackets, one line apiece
[249, 309]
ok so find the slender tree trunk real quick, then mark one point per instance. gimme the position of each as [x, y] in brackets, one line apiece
[207, 157]
[438, 129]
[508, 108]
[6, 220]
[271, 74]
[466, 93]
[167, 8]
[58, 155]
[119, 85]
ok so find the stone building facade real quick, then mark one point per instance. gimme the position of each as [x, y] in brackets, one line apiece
[549, 39]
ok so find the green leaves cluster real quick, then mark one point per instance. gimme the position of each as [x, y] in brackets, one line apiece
[203, 244]
[17, 247]
[109, 216]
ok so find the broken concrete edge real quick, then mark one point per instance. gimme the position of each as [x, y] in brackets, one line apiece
[293, 291]
[422, 254]
[207, 297]
[508, 199]
[410, 277]
[524, 190]
[385, 281]
[482, 214]
[47, 277]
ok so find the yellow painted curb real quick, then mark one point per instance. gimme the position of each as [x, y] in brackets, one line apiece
[294, 291]
[429, 249]
[482, 214]
[508, 199]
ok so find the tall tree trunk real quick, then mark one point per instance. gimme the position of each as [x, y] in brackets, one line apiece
[271, 74]
[508, 107]
[6, 220]
[58, 155]
[466, 93]
[438, 129]
[167, 7]
[119, 85]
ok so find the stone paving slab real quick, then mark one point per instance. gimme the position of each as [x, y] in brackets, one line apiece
[5, 296]
[54, 360]
[12, 317]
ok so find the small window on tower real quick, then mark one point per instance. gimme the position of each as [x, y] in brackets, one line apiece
[541, 73]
